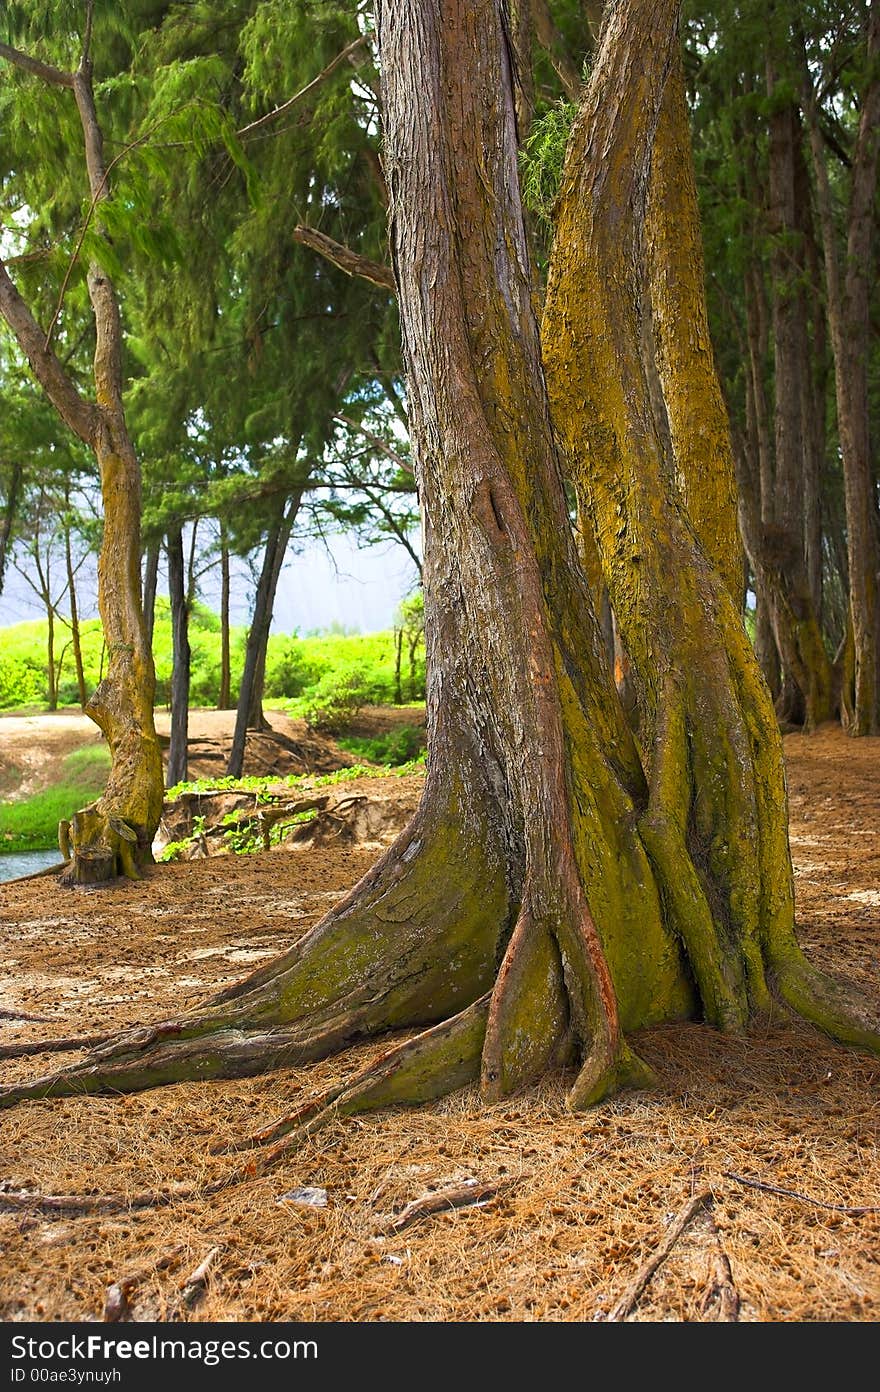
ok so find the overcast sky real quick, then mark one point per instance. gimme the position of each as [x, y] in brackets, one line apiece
[319, 586]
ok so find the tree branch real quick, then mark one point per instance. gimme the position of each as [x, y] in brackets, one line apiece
[344, 258]
[35, 67]
[377, 442]
[304, 91]
[78, 413]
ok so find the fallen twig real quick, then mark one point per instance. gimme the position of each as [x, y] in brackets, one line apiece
[630, 1298]
[804, 1198]
[195, 1285]
[720, 1285]
[444, 1200]
[118, 1294]
[23, 1015]
[37, 874]
[28, 1201]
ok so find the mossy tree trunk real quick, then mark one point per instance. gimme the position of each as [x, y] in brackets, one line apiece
[716, 824]
[547, 898]
[116, 833]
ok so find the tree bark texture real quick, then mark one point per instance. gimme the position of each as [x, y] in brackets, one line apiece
[547, 898]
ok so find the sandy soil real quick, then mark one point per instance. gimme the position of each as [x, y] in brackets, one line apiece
[584, 1200]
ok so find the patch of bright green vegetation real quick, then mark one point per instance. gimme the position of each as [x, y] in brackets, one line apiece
[303, 674]
[270, 786]
[32, 824]
[394, 748]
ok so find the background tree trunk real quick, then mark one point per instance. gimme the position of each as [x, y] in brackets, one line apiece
[180, 671]
[249, 713]
[224, 695]
[151, 580]
[849, 320]
[806, 696]
[75, 636]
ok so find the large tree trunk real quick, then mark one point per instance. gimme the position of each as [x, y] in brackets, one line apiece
[249, 713]
[716, 820]
[180, 670]
[849, 319]
[544, 900]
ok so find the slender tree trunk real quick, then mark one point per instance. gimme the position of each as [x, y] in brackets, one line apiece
[224, 695]
[50, 654]
[116, 833]
[151, 580]
[398, 655]
[180, 671]
[9, 511]
[249, 715]
[849, 319]
[75, 636]
[756, 485]
[814, 380]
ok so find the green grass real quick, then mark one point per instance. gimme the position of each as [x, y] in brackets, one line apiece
[296, 667]
[32, 824]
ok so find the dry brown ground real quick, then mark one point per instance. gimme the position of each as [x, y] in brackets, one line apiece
[589, 1197]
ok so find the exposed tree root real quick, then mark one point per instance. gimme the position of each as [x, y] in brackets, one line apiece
[25, 1047]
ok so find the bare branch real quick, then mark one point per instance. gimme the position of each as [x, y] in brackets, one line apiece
[304, 91]
[36, 67]
[377, 442]
[344, 258]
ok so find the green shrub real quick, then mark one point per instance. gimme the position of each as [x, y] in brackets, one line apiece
[22, 682]
[290, 667]
[336, 699]
[393, 748]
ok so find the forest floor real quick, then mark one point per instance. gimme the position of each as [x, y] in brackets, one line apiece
[582, 1201]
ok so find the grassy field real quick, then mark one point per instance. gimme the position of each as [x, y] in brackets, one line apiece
[300, 671]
